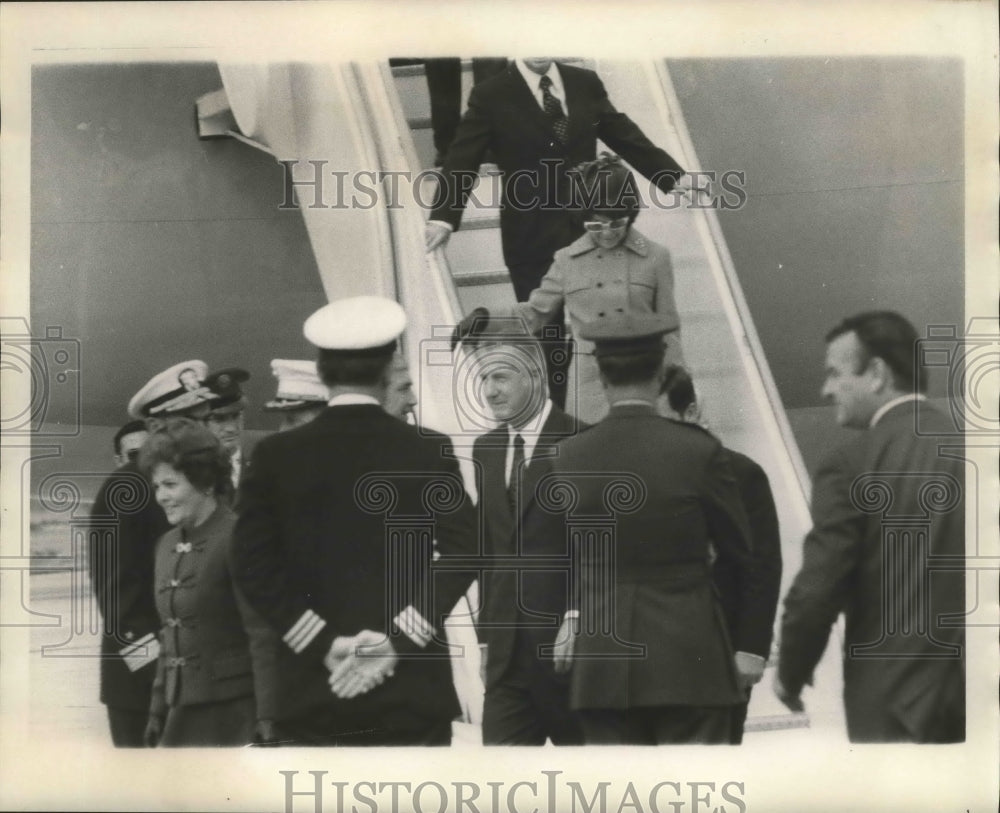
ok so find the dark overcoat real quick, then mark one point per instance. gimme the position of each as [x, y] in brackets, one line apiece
[886, 550]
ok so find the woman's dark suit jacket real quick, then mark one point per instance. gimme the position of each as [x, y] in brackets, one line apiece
[214, 646]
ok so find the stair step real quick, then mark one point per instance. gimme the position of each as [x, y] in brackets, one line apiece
[468, 279]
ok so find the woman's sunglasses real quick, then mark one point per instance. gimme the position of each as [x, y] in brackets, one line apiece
[600, 225]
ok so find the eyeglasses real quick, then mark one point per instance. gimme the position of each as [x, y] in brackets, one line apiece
[132, 454]
[602, 225]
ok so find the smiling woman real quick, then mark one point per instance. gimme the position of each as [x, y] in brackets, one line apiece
[214, 672]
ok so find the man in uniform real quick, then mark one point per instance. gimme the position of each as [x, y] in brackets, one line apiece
[645, 638]
[750, 633]
[301, 395]
[887, 507]
[225, 415]
[334, 547]
[127, 522]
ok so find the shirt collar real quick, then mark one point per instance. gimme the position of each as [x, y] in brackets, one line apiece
[534, 427]
[902, 399]
[529, 434]
[352, 399]
[532, 78]
[634, 241]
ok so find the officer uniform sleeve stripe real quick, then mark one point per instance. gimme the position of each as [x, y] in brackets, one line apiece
[299, 624]
[146, 640]
[313, 631]
[414, 626]
[304, 631]
[300, 631]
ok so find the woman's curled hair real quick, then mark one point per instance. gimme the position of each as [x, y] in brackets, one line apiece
[190, 448]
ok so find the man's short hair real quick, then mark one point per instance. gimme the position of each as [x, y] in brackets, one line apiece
[128, 429]
[890, 337]
[528, 348]
[620, 370]
[357, 368]
[678, 387]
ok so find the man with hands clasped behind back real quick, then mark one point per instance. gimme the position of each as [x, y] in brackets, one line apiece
[327, 549]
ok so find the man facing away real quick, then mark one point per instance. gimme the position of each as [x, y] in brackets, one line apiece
[641, 499]
[334, 546]
[750, 633]
[886, 548]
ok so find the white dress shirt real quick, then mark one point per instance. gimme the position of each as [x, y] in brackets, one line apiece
[235, 463]
[902, 399]
[533, 80]
[352, 399]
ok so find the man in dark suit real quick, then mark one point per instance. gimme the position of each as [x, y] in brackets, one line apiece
[642, 499]
[750, 633]
[539, 119]
[126, 522]
[334, 546]
[526, 702]
[886, 548]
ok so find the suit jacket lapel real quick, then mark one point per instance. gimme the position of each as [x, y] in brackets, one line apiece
[576, 107]
[557, 427]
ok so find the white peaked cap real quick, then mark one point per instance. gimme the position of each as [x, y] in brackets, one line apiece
[298, 382]
[165, 386]
[356, 323]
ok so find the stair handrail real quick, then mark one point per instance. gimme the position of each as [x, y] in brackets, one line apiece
[753, 348]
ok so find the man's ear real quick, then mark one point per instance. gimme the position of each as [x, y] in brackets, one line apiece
[881, 375]
[693, 413]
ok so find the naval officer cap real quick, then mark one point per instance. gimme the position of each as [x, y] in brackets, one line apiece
[625, 334]
[298, 385]
[359, 325]
[178, 390]
[225, 384]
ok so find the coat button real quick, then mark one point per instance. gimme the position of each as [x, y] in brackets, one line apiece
[600, 313]
[600, 285]
[175, 582]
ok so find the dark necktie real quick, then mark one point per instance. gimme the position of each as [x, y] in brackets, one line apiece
[516, 464]
[554, 109]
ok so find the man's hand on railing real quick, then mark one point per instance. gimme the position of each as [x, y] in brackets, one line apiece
[436, 235]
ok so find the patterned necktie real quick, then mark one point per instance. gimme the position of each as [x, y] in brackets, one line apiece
[517, 463]
[554, 109]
